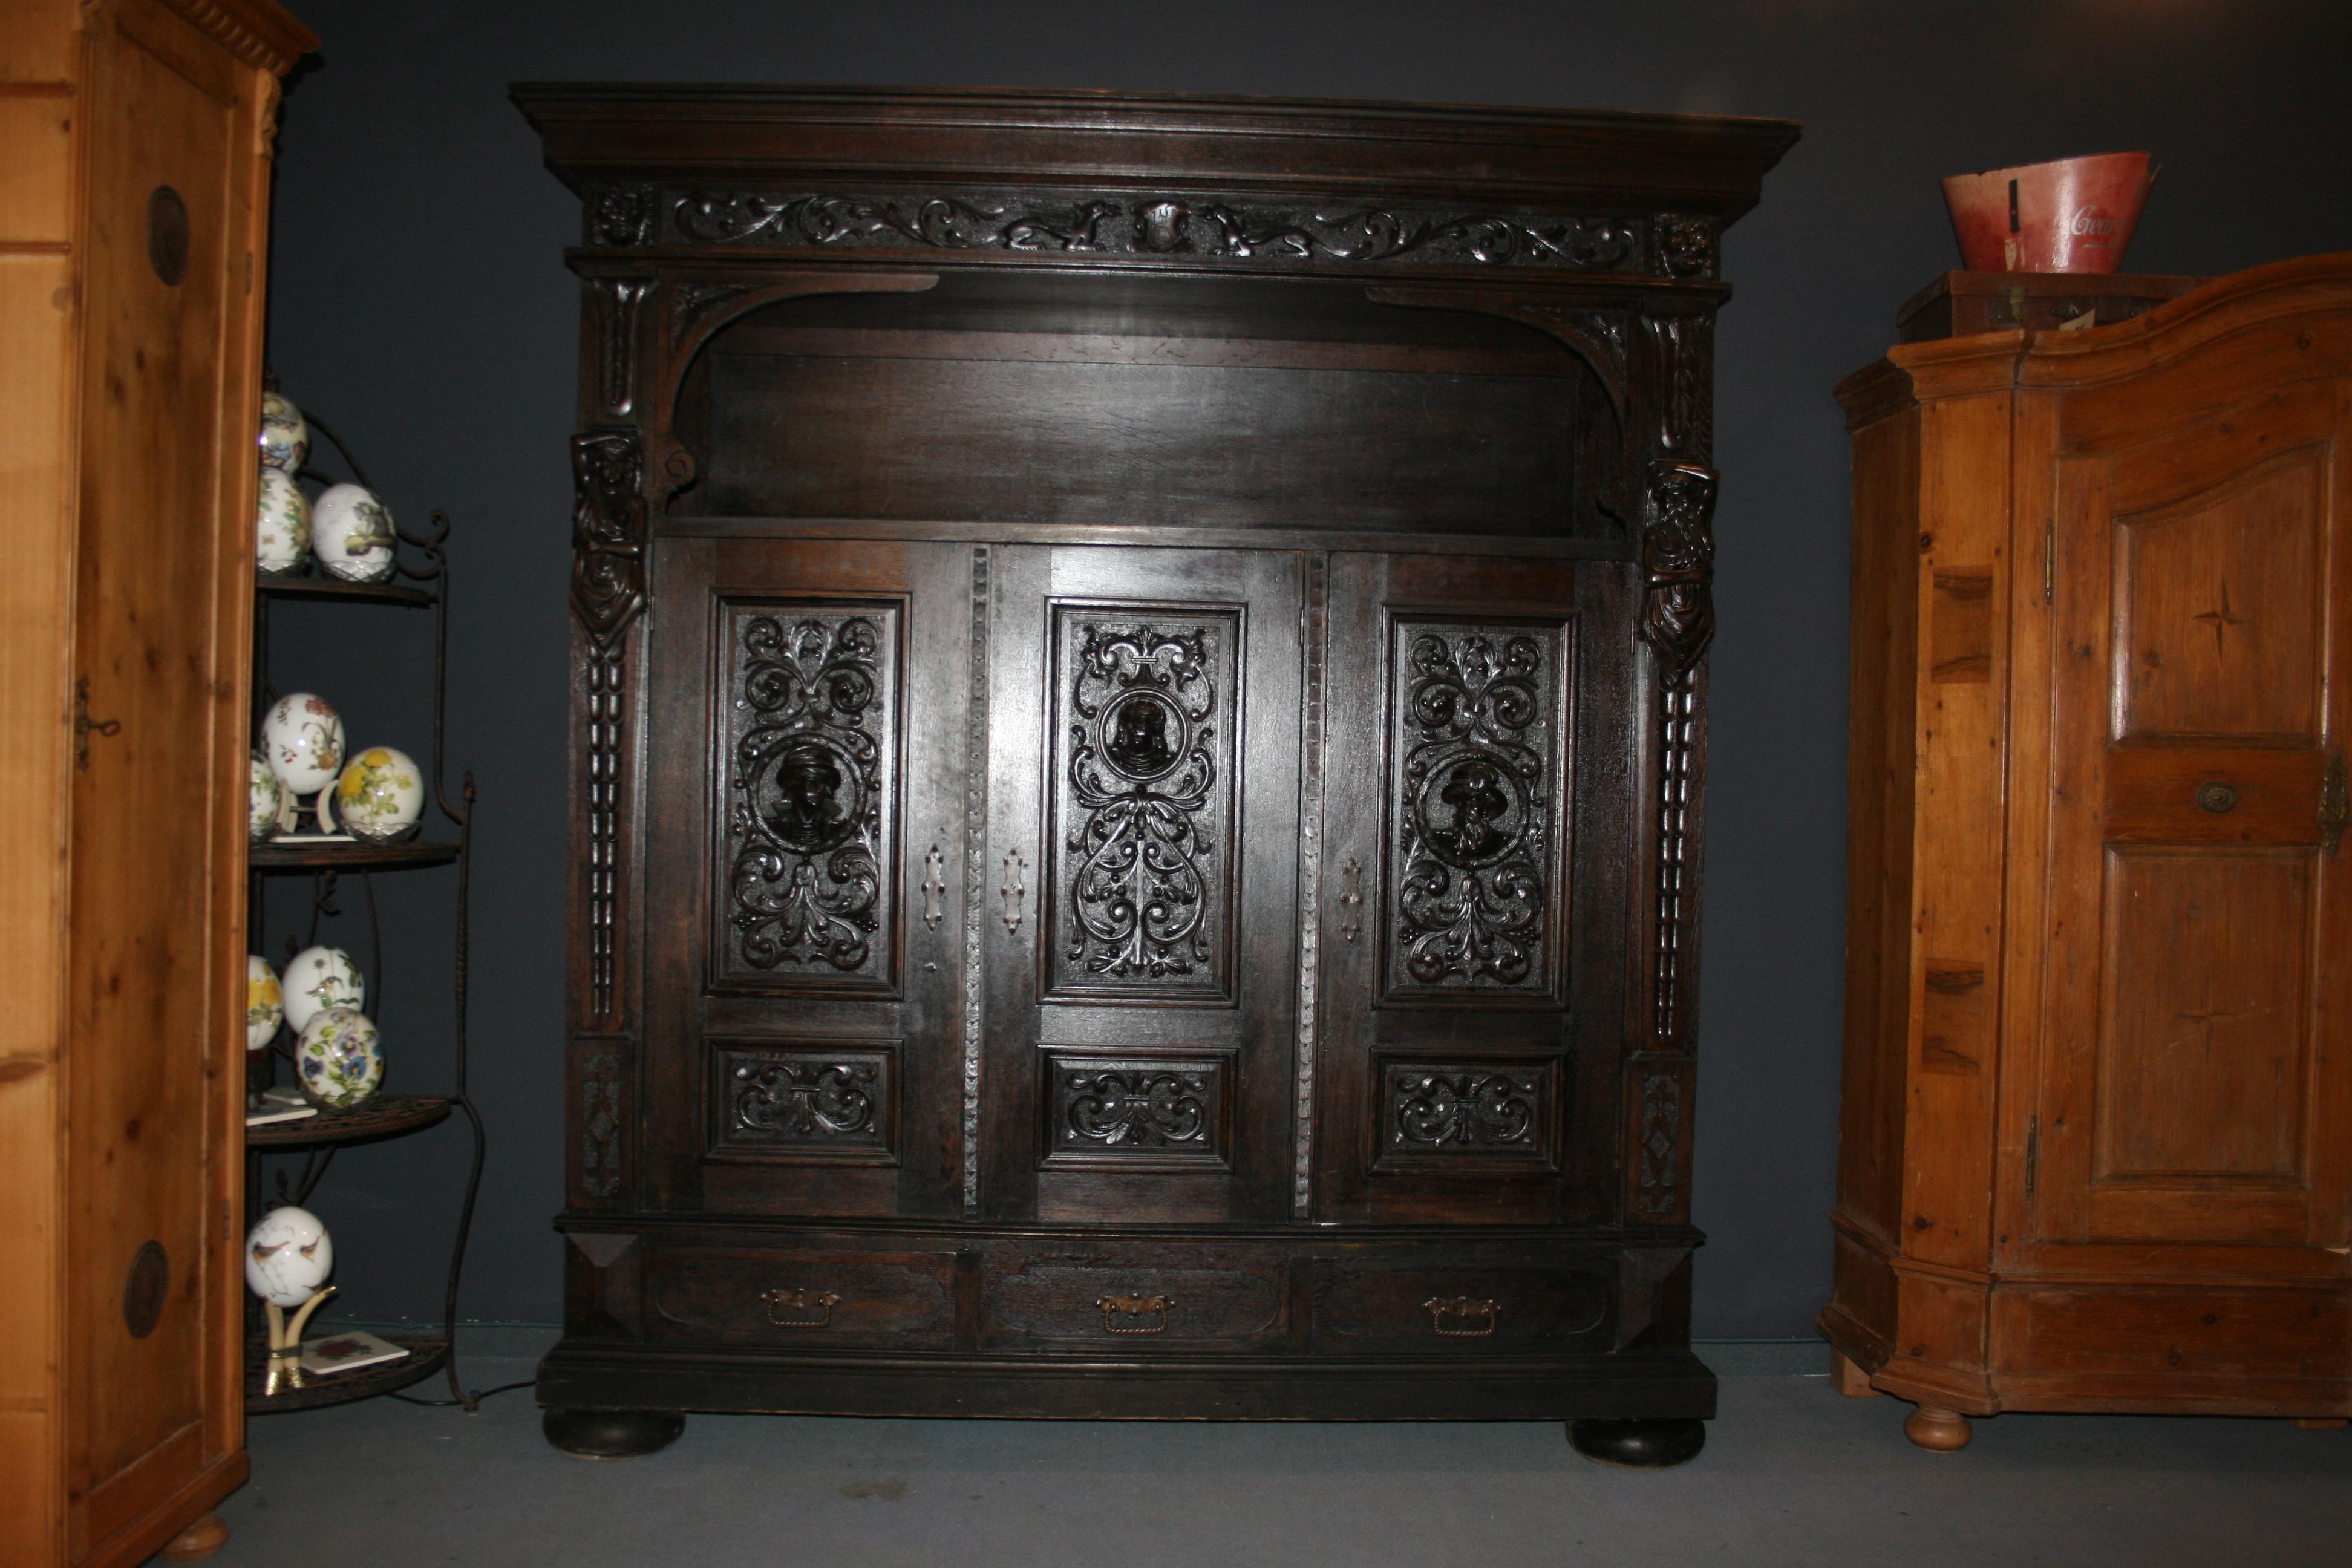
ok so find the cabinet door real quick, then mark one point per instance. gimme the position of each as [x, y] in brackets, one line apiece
[1474, 888]
[2198, 1068]
[1138, 949]
[805, 824]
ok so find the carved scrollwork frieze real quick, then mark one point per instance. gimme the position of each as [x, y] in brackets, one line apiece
[1118, 224]
[1484, 1114]
[1135, 1113]
[810, 1104]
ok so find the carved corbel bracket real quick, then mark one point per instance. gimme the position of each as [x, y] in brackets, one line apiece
[1678, 562]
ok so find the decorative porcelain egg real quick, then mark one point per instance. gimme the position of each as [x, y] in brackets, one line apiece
[287, 1257]
[263, 796]
[303, 739]
[281, 524]
[285, 435]
[351, 533]
[264, 1003]
[381, 798]
[318, 978]
[340, 1062]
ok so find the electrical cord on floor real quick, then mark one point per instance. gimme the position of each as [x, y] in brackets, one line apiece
[479, 1396]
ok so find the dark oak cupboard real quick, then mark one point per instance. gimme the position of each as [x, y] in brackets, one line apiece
[1139, 679]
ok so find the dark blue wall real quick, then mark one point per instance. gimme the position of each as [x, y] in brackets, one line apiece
[420, 304]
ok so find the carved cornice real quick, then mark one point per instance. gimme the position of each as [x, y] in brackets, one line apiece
[1679, 563]
[1121, 223]
[257, 32]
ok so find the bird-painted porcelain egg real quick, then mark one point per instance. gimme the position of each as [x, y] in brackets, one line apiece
[381, 797]
[303, 739]
[262, 798]
[318, 978]
[264, 1003]
[281, 525]
[287, 1257]
[339, 1063]
[351, 533]
[285, 435]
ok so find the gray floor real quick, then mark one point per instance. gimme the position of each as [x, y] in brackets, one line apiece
[1792, 1474]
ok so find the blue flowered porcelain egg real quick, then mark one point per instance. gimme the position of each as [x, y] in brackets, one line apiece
[339, 1063]
[318, 978]
[264, 1003]
[380, 796]
[263, 796]
[303, 739]
[288, 1256]
[281, 526]
[285, 435]
[351, 533]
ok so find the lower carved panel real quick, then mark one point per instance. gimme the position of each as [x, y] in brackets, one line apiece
[1468, 1116]
[1138, 1113]
[804, 1104]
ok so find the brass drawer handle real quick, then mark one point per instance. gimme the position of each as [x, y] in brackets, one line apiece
[806, 1309]
[1464, 1313]
[1135, 1309]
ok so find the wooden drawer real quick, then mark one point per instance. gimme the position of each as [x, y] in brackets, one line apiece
[1097, 1304]
[1366, 1306]
[819, 1300]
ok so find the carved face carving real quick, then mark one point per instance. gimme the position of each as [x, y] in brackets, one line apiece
[1138, 743]
[1470, 812]
[804, 805]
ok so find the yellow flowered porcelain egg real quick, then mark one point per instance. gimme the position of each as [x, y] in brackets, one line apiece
[262, 798]
[339, 1063]
[264, 1003]
[318, 978]
[380, 796]
[285, 435]
[281, 525]
[288, 1256]
[303, 739]
[351, 533]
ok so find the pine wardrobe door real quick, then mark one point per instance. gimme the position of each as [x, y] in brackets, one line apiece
[1472, 917]
[2198, 1062]
[1138, 951]
[806, 700]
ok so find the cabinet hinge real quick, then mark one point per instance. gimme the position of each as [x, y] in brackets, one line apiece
[2032, 1156]
[2050, 562]
[228, 1211]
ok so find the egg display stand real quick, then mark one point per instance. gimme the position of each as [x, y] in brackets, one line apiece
[420, 580]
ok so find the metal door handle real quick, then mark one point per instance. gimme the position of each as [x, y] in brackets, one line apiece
[934, 889]
[1135, 1309]
[1351, 899]
[1466, 1313]
[1012, 889]
[109, 728]
[807, 1308]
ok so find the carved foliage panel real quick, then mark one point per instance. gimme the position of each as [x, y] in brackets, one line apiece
[812, 1103]
[806, 817]
[1153, 1112]
[1477, 783]
[1144, 711]
[1473, 1115]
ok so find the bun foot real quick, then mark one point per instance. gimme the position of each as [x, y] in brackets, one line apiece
[1937, 1430]
[198, 1542]
[2321, 1423]
[612, 1434]
[1639, 1444]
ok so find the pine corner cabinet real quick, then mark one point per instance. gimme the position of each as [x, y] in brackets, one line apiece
[136, 138]
[1138, 707]
[2098, 1048]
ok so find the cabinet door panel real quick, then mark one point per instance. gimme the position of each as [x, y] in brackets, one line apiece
[1139, 949]
[2197, 1049]
[1465, 757]
[801, 1042]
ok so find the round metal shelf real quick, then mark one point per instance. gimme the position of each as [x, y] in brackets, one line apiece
[353, 856]
[426, 1356]
[385, 1116]
[336, 589]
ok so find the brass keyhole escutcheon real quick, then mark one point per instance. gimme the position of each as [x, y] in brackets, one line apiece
[2216, 797]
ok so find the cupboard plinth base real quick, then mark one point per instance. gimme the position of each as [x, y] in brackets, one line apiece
[610, 1434]
[1638, 1445]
